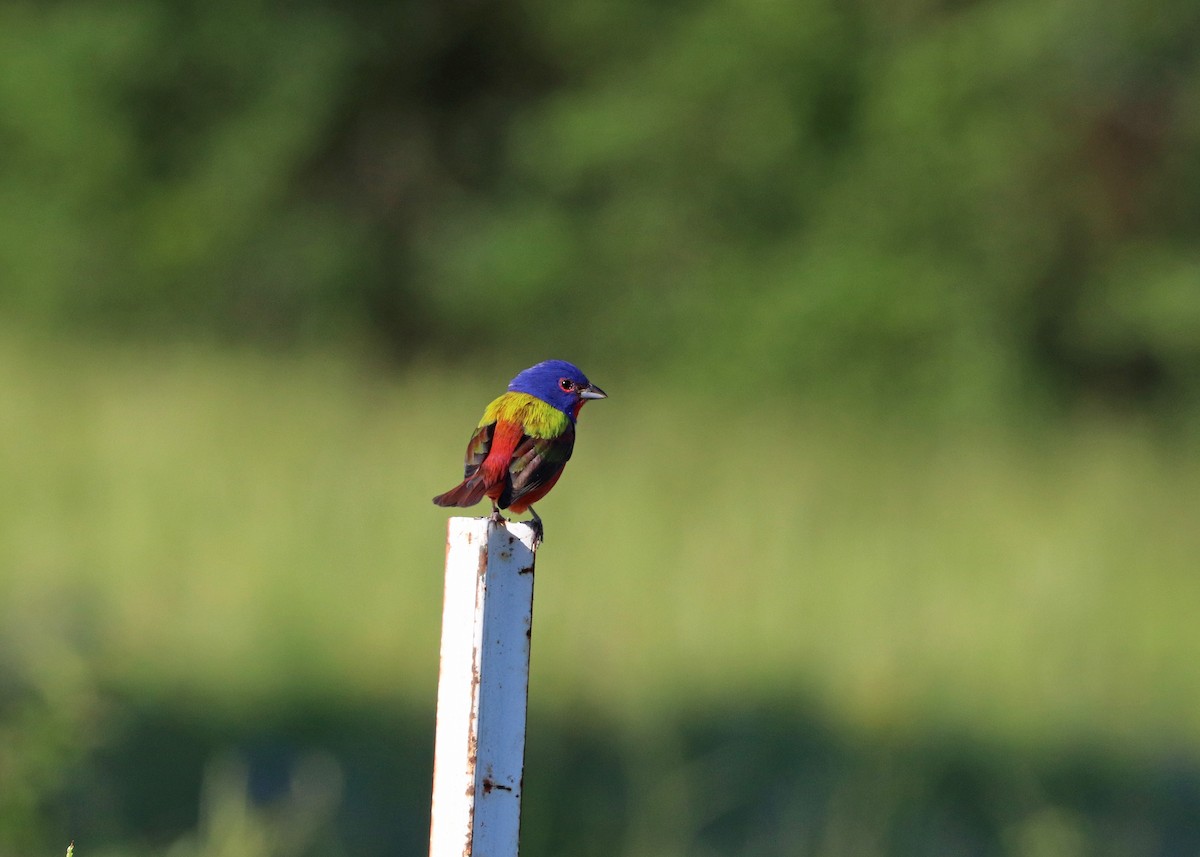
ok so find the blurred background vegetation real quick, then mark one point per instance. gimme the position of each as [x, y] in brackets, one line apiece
[885, 543]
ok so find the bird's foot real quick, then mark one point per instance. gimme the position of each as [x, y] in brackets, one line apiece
[539, 532]
[496, 517]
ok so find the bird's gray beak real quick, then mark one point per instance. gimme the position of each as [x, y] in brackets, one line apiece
[591, 391]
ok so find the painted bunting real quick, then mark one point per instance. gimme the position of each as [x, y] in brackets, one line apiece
[521, 445]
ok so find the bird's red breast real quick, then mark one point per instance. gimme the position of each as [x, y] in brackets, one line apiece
[495, 466]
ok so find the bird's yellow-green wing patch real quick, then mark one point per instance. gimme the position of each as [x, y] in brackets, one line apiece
[536, 418]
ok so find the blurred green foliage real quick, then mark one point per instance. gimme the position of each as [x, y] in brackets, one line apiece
[221, 596]
[219, 593]
[945, 203]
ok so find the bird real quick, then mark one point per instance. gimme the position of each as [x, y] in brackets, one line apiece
[517, 452]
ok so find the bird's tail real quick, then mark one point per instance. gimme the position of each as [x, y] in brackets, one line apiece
[466, 494]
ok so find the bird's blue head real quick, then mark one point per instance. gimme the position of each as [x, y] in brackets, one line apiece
[557, 383]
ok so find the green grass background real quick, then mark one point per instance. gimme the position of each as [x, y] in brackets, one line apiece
[758, 629]
[885, 543]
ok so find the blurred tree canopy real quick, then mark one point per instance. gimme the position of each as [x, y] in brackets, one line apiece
[969, 199]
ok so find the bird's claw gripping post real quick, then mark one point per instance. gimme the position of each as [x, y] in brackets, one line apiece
[539, 532]
[535, 523]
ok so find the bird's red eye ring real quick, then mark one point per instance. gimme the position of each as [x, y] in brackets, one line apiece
[566, 384]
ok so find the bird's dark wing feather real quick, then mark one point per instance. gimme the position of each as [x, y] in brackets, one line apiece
[475, 483]
[536, 461]
[478, 448]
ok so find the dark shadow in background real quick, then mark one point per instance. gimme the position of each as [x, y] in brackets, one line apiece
[763, 778]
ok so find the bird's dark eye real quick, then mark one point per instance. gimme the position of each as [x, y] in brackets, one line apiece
[566, 384]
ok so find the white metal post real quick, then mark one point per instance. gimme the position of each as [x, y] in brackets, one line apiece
[483, 687]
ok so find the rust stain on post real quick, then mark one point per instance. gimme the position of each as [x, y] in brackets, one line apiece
[489, 784]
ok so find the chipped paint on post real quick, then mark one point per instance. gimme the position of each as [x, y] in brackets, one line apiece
[483, 688]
